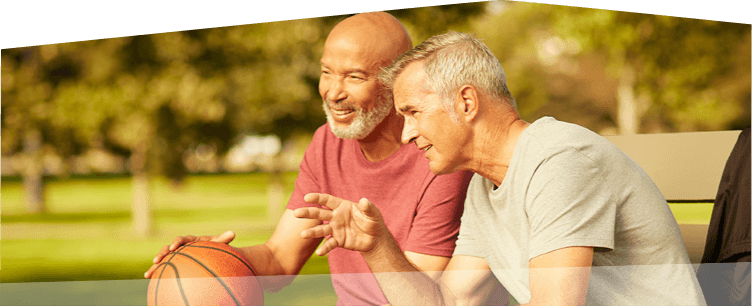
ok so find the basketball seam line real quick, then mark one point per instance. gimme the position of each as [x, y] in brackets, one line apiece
[239, 259]
[233, 255]
[177, 279]
[213, 274]
[157, 287]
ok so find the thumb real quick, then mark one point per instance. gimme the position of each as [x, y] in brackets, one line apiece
[226, 237]
[368, 208]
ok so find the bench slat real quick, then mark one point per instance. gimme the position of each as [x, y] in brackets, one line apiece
[684, 166]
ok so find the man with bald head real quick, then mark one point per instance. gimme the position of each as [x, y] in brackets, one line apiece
[359, 153]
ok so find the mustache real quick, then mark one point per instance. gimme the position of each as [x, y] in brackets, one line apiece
[340, 105]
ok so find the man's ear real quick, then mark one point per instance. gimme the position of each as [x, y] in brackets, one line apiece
[467, 105]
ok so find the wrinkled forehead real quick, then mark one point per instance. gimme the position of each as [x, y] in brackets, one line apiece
[408, 88]
[365, 52]
[353, 52]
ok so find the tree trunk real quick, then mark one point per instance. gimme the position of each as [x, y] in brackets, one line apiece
[275, 191]
[627, 118]
[140, 212]
[33, 172]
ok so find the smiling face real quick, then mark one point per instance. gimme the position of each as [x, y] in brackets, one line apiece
[353, 99]
[428, 124]
[357, 48]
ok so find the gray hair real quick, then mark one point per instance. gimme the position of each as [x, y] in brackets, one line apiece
[452, 60]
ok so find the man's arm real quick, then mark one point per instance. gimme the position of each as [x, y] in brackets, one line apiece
[431, 265]
[275, 261]
[465, 281]
[359, 227]
[283, 255]
[560, 277]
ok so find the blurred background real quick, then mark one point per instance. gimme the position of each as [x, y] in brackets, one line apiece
[111, 148]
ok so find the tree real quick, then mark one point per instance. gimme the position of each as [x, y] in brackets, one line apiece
[29, 77]
[638, 72]
[422, 23]
[152, 98]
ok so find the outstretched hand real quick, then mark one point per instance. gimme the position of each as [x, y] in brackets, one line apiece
[225, 238]
[353, 226]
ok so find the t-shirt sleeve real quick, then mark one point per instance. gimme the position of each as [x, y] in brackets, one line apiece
[466, 245]
[435, 227]
[568, 204]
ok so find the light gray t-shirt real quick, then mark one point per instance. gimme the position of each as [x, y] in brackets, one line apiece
[567, 186]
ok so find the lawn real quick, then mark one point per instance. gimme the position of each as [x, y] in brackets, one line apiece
[83, 251]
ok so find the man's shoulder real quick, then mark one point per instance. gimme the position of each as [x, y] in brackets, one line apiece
[549, 137]
[553, 132]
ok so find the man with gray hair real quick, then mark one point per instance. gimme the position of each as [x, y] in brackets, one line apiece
[359, 153]
[555, 212]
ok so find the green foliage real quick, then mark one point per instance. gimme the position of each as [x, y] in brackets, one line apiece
[697, 71]
[685, 74]
[422, 23]
[173, 91]
[176, 90]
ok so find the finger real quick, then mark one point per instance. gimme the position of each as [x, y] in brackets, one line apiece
[329, 201]
[225, 238]
[313, 213]
[316, 232]
[366, 207]
[326, 247]
[163, 252]
[150, 271]
[181, 240]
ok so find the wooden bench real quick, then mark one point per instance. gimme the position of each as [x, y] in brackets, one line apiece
[686, 167]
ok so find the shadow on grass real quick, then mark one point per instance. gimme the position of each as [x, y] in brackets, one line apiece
[68, 217]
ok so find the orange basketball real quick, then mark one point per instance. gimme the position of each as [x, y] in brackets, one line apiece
[204, 274]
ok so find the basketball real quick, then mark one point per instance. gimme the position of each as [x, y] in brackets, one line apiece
[204, 274]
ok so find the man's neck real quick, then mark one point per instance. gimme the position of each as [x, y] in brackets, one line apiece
[495, 144]
[384, 140]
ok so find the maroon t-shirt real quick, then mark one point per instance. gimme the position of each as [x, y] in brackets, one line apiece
[421, 210]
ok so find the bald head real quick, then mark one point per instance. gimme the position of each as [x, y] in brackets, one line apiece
[354, 100]
[378, 34]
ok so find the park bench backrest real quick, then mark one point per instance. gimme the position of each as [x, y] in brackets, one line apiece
[686, 167]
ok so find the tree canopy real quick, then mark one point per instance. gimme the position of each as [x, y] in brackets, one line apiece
[172, 92]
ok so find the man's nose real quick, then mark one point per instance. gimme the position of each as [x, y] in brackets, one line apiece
[336, 90]
[409, 133]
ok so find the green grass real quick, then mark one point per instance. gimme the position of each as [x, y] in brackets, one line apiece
[692, 213]
[86, 236]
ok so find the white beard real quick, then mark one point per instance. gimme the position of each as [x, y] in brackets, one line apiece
[365, 121]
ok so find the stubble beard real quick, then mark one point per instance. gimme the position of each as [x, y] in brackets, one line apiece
[365, 121]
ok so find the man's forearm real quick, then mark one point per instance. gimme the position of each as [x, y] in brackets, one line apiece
[270, 273]
[400, 281]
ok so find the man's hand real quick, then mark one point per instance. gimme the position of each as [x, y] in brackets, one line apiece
[354, 226]
[225, 238]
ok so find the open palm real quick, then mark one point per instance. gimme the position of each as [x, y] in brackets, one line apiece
[353, 226]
